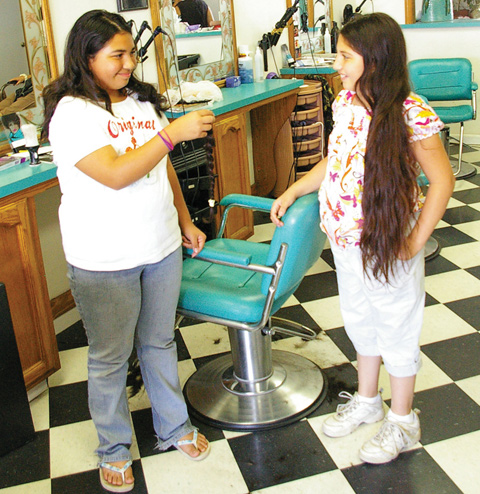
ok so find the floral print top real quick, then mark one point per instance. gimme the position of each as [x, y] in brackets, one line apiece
[340, 194]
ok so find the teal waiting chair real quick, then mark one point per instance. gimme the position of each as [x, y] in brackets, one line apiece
[449, 80]
[241, 285]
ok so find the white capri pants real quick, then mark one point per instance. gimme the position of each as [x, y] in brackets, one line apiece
[383, 319]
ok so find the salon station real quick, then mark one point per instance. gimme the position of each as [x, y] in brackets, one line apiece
[262, 349]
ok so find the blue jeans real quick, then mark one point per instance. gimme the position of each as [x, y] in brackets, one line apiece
[118, 309]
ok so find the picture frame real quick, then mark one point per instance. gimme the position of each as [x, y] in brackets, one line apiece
[466, 9]
[126, 5]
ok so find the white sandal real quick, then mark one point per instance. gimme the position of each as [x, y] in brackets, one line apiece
[116, 488]
[201, 456]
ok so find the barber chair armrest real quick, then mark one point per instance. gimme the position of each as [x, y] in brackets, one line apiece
[242, 201]
[474, 86]
[246, 201]
[231, 258]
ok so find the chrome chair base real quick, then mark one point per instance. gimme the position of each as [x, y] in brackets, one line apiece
[467, 170]
[432, 248]
[294, 389]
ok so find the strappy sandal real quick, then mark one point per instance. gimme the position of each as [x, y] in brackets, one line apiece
[116, 488]
[201, 456]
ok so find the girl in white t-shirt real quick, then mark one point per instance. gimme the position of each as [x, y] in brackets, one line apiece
[122, 218]
[378, 222]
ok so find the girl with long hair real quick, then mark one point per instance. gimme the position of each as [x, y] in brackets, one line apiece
[377, 222]
[122, 218]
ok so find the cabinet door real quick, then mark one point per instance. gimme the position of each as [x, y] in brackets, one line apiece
[22, 272]
[231, 166]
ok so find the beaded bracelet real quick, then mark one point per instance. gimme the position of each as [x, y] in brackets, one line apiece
[168, 142]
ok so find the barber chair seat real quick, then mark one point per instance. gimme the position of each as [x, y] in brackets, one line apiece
[241, 285]
[449, 80]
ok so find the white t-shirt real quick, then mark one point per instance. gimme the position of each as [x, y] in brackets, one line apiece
[105, 229]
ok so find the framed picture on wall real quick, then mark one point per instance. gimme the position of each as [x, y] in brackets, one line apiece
[125, 5]
[466, 9]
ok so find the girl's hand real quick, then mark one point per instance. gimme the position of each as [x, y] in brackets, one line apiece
[280, 206]
[413, 245]
[193, 238]
[193, 125]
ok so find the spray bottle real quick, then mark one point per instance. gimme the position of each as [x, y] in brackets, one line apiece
[258, 65]
[327, 41]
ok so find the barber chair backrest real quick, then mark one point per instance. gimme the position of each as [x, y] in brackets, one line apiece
[442, 79]
[305, 240]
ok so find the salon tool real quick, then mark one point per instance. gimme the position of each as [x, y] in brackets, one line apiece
[271, 39]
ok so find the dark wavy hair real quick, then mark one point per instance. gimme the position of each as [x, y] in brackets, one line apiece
[89, 35]
[390, 187]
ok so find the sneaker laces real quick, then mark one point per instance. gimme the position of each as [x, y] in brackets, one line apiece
[351, 404]
[392, 433]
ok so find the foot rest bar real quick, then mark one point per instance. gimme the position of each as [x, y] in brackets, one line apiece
[296, 329]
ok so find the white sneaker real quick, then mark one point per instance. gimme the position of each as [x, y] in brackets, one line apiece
[392, 438]
[352, 414]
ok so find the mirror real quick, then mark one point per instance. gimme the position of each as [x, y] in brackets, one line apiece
[32, 19]
[167, 48]
[203, 45]
[318, 12]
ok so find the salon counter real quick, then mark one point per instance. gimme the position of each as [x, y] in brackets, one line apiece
[269, 105]
[328, 72]
[22, 270]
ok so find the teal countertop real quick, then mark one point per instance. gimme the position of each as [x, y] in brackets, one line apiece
[319, 69]
[454, 23]
[23, 176]
[246, 94]
[196, 34]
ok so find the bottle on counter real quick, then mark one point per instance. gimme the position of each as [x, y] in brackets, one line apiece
[334, 37]
[245, 65]
[327, 41]
[258, 65]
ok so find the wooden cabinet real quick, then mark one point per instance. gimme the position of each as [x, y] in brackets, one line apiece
[231, 167]
[22, 272]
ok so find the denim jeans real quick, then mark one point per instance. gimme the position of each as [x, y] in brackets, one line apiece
[120, 309]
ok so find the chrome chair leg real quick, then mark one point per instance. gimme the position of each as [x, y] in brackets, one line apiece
[432, 248]
[463, 169]
[254, 388]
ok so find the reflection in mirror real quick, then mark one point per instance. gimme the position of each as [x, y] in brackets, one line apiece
[303, 43]
[32, 30]
[221, 66]
[197, 44]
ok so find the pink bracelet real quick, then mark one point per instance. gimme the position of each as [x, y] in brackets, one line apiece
[168, 142]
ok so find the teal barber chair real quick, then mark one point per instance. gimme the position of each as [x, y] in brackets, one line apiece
[241, 285]
[449, 80]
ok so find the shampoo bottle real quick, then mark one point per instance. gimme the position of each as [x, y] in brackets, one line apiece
[245, 65]
[258, 65]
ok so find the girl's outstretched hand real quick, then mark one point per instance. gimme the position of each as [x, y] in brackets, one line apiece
[193, 125]
[280, 206]
[193, 238]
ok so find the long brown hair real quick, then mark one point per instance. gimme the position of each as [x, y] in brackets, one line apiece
[89, 35]
[390, 187]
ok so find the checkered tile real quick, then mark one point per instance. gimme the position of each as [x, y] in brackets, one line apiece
[297, 458]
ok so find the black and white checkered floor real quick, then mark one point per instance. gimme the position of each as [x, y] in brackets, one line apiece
[297, 458]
